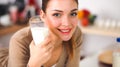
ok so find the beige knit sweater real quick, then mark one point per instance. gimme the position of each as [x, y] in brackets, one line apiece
[19, 52]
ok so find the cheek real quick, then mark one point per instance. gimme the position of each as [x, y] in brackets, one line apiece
[75, 22]
[53, 22]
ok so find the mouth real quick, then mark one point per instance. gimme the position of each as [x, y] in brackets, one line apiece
[65, 31]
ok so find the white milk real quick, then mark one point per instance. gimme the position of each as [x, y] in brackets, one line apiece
[39, 34]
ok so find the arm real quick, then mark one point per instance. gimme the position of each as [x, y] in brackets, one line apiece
[19, 48]
[18, 53]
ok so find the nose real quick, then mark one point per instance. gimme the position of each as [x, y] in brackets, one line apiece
[66, 21]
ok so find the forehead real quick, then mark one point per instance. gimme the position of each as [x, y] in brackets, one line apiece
[61, 5]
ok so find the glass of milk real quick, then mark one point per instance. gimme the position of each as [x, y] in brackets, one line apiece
[38, 29]
[116, 54]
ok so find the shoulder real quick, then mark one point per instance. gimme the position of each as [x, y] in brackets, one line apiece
[22, 33]
[22, 36]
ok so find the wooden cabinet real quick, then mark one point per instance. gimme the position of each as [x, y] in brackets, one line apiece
[11, 29]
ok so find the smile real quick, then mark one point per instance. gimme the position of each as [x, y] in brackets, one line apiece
[65, 31]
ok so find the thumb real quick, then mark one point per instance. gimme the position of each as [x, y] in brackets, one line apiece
[32, 44]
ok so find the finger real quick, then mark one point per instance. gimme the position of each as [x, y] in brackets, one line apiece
[49, 51]
[32, 44]
[49, 47]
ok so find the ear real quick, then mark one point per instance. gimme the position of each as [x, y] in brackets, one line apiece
[42, 15]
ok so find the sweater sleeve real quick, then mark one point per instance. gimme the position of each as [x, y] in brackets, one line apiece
[18, 50]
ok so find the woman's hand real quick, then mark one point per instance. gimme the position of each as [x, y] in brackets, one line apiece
[41, 53]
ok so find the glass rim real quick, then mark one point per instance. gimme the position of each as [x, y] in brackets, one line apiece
[35, 21]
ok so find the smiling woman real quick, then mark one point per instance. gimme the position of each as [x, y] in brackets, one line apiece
[61, 48]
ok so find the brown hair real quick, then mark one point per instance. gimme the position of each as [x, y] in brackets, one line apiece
[75, 41]
[45, 2]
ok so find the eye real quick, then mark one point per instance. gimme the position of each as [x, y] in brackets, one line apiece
[74, 14]
[57, 15]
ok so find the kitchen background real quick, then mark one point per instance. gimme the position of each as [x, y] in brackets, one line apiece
[105, 10]
[108, 20]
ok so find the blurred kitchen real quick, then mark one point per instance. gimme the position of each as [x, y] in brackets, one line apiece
[99, 22]
[14, 15]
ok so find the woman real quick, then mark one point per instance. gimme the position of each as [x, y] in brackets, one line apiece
[62, 46]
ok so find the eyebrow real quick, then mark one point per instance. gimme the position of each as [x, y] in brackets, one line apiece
[62, 11]
[74, 10]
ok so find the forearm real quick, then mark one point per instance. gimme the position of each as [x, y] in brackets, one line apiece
[18, 54]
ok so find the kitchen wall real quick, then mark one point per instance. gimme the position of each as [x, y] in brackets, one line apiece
[108, 9]
[4, 40]
[103, 8]
[6, 1]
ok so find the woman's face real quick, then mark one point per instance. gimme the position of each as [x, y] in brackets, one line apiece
[61, 15]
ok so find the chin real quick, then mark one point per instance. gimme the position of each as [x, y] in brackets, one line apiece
[66, 38]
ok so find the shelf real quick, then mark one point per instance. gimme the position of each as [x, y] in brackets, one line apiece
[97, 31]
[86, 30]
[11, 29]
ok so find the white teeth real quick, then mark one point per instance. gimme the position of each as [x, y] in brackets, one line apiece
[65, 30]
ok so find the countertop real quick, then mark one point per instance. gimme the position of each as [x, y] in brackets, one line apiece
[92, 61]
